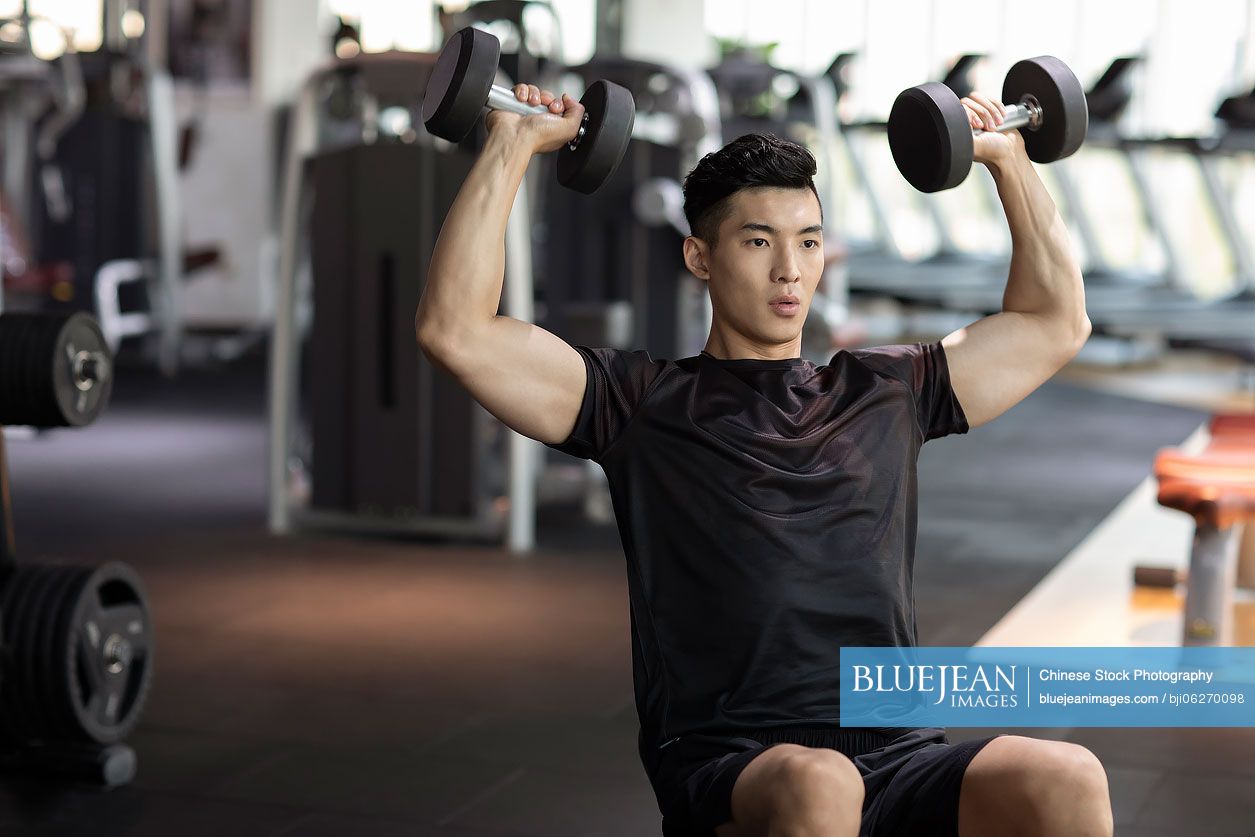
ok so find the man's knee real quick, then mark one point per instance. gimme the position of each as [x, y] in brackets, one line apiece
[813, 778]
[1056, 786]
[1080, 778]
[794, 790]
[1060, 771]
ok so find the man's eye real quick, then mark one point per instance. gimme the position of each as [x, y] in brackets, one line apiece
[810, 243]
[757, 241]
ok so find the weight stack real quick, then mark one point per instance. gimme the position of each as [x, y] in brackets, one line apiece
[393, 436]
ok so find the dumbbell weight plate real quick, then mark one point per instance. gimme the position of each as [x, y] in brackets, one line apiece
[459, 83]
[610, 112]
[930, 137]
[1065, 117]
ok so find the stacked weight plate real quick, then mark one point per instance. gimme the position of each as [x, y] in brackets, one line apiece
[79, 644]
[55, 370]
[76, 652]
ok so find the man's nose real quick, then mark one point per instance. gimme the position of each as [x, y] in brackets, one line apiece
[786, 269]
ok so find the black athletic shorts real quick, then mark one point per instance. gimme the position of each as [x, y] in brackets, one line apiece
[911, 778]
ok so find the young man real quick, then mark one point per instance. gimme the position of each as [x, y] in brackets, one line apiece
[767, 506]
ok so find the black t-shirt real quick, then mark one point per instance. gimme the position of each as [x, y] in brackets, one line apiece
[767, 510]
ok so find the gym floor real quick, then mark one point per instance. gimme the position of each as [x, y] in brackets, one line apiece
[327, 685]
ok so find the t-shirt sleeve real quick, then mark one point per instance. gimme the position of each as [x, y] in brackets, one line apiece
[617, 383]
[923, 368]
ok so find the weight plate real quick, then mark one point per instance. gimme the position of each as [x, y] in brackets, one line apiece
[930, 137]
[10, 715]
[1065, 115]
[610, 112]
[55, 369]
[458, 87]
[83, 370]
[38, 369]
[15, 395]
[108, 654]
[20, 615]
[59, 612]
[40, 624]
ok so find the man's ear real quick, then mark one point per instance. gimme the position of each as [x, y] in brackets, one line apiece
[697, 258]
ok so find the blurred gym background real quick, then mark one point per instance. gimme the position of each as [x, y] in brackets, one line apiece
[368, 608]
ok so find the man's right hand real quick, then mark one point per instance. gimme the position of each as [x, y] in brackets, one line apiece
[539, 132]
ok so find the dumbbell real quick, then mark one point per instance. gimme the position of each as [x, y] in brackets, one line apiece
[932, 140]
[461, 86]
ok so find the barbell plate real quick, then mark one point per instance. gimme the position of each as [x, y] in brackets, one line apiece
[611, 111]
[17, 614]
[106, 707]
[1065, 115]
[38, 650]
[81, 405]
[39, 353]
[458, 87]
[930, 137]
[55, 683]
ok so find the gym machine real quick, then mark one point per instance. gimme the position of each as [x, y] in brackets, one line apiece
[365, 434]
[112, 146]
[1228, 317]
[39, 100]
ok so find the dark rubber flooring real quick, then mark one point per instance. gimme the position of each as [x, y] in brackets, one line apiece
[335, 686]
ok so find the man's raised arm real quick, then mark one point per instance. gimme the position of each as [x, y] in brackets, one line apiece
[997, 361]
[527, 377]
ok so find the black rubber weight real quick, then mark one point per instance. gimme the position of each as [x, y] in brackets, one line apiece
[611, 112]
[112, 584]
[19, 616]
[80, 333]
[55, 683]
[40, 624]
[1065, 115]
[37, 370]
[458, 87]
[930, 137]
[11, 720]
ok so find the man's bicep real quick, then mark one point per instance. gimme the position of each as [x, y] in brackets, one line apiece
[997, 361]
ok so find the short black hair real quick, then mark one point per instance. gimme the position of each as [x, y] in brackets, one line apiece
[746, 162]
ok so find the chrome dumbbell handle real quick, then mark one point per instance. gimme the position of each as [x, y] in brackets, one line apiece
[500, 98]
[1024, 114]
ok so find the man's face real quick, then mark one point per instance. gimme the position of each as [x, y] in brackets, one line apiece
[770, 245]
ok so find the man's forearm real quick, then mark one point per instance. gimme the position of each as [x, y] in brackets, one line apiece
[1045, 278]
[464, 279]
